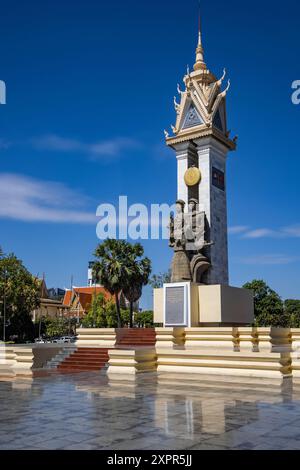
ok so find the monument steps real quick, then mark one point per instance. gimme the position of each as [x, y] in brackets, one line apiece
[85, 359]
[136, 337]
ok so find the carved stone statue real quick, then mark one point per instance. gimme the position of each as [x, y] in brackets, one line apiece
[187, 238]
[180, 264]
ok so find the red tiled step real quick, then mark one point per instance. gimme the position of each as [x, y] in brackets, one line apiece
[80, 367]
[128, 341]
[88, 356]
[136, 337]
[83, 363]
[85, 359]
[136, 330]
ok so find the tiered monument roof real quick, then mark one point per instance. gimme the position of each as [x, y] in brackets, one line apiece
[202, 108]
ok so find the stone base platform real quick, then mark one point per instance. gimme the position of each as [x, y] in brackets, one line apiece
[266, 353]
[261, 365]
[250, 364]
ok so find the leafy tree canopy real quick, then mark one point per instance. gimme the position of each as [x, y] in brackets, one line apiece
[158, 280]
[19, 296]
[144, 318]
[119, 268]
[268, 306]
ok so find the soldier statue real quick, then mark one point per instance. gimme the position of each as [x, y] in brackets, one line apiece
[187, 238]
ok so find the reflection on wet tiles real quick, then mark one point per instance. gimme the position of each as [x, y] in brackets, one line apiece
[87, 411]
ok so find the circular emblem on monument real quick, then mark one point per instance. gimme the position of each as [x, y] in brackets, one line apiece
[192, 176]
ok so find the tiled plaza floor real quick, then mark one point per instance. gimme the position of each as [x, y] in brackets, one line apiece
[86, 411]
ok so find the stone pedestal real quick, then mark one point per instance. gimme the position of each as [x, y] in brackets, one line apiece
[225, 305]
[184, 304]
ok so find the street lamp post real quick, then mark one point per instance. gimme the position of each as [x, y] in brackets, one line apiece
[40, 326]
[4, 307]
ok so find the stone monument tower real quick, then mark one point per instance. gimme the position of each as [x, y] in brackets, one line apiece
[199, 294]
[201, 141]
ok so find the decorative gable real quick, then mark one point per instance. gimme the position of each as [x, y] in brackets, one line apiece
[192, 118]
[217, 122]
[219, 119]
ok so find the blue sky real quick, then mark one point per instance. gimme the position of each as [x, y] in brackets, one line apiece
[90, 88]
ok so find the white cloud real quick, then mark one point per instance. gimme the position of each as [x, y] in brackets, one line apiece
[237, 229]
[292, 231]
[28, 199]
[262, 233]
[269, 259]
[105, 148]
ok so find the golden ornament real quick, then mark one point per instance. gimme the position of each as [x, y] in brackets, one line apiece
[192, 176]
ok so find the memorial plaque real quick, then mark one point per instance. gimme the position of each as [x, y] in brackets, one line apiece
[175, 306]
[218, 179]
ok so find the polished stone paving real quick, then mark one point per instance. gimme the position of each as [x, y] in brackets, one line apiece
[87, 411]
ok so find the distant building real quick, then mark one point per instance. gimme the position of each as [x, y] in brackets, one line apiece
[79, 299]
[49, 307]
[91, 280]
[56, 293]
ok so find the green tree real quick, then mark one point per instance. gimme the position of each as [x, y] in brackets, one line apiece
[140, 270]
[125, 316]
[292, 312]
[158, 280]
[144, 318]
[19, 296]
[268, 306]
[56, 326]
[102, 313]
[114, 268]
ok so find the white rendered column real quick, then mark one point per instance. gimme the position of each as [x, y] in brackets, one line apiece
[212, 199]
[186, 157]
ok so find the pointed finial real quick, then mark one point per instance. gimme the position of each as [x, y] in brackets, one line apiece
[199, 28]
[200, 64]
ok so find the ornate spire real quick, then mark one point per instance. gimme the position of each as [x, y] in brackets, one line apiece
[199, 64]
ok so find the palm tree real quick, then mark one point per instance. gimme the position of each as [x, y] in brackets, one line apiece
[113, 268]
[139, 277]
